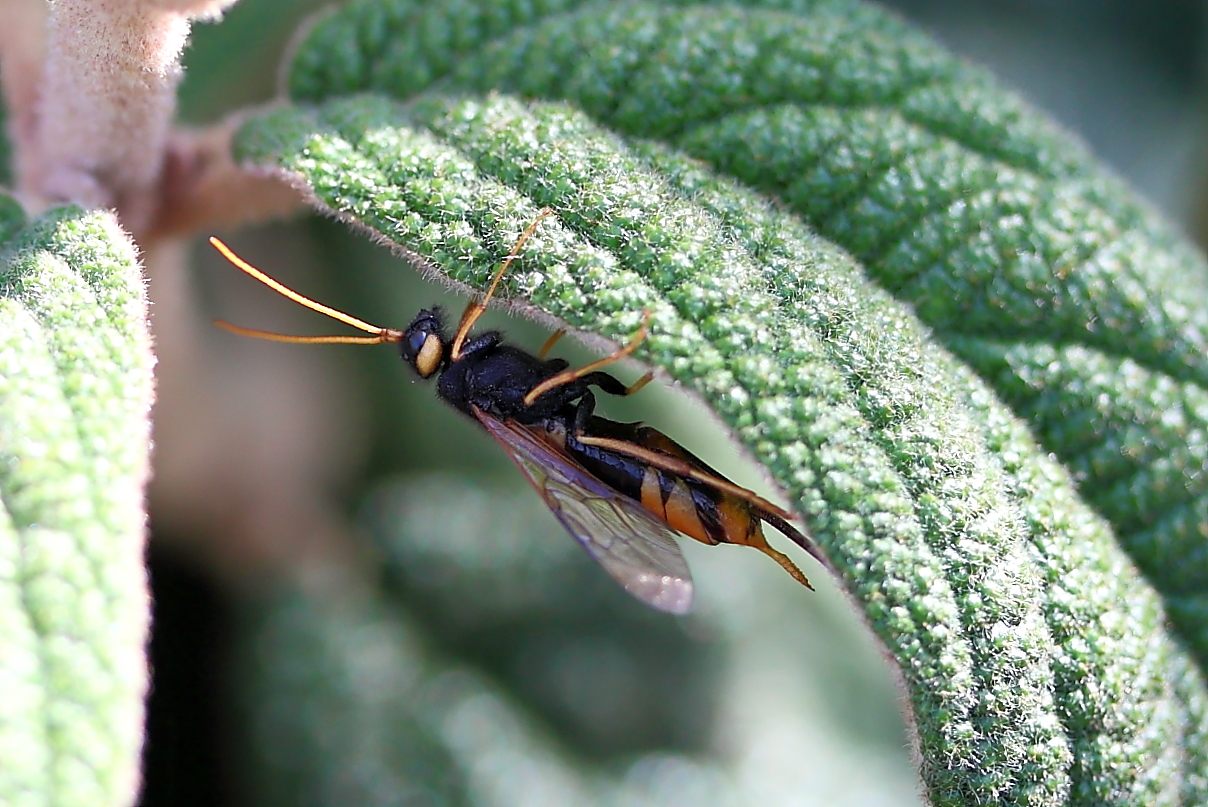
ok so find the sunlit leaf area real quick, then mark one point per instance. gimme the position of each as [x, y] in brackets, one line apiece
[923, 273]
[441, 640]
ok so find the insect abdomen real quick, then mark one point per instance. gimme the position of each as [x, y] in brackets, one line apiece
[708, 513]
[709, 516]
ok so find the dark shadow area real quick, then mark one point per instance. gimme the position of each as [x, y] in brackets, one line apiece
[182, 756]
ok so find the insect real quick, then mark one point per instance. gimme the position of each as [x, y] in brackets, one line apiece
[623, 490]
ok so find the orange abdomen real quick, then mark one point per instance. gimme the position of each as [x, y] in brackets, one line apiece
[711, 517]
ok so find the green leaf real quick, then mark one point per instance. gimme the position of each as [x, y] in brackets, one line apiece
[513, 662]
[358, 671]
[993, 225]
[1037, 661]
[75, 392]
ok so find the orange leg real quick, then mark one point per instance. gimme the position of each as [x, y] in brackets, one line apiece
[681, 468]
[549, 344]
[761, 543]
[567, 376]
[475, 309]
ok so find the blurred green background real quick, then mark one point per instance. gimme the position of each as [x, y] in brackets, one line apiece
[358, 600]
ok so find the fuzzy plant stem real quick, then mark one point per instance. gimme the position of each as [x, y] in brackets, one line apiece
[107, 101]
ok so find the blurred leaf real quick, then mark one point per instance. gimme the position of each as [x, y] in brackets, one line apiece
[353, 702]
[232, 65]
[999, 230]
[1038, 664]
[332, 688]
[75, 393]
[613, 676]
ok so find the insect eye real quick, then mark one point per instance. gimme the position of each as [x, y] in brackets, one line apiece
[414, 343]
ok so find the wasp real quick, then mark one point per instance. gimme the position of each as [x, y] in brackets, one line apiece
[623, 490]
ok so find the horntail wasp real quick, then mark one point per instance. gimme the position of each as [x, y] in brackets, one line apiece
[622, 490]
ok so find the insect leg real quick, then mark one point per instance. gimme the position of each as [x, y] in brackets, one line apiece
[475, 308]
[753, 507]
[567, 376]
[549, 344]
[637, 385]
[681, 468]
[584, 409]
[484, 341]
[758, 541]
[794, 535]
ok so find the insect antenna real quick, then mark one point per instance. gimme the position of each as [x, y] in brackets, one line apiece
[475, 309]
[380, 335]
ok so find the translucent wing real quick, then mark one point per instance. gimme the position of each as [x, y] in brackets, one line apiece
[638, 550]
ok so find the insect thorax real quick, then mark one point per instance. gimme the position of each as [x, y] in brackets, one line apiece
[496, 381]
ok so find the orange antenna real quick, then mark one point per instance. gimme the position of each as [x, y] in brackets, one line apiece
[380, 335]
[474, 309]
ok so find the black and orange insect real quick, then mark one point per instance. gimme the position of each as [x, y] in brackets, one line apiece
[621, 489]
